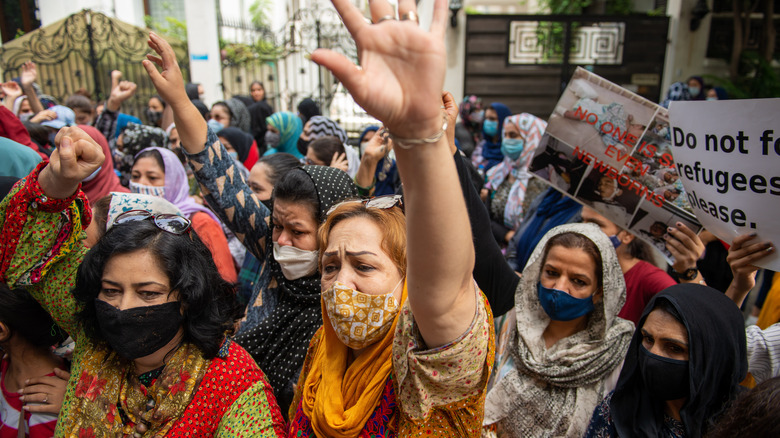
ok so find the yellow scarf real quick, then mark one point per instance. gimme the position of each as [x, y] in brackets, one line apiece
[339, 398]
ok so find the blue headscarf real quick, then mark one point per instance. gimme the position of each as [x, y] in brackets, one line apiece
[290, 127]
[122, 120]
[491, 151]
[386, 170]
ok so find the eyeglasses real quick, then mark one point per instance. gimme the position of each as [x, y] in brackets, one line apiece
[171, 223]
[381, 202]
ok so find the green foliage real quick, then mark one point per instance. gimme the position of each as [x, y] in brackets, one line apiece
[19, 32]
[757, 79]
[171, 27]
[239, 53]
[260, 12]
[577, 7]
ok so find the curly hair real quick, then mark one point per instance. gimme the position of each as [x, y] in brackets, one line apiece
[208, 302]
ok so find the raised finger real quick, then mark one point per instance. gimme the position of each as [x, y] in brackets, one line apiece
[746, 250]
[164, 49]
[151, 70]
[155, 59]
[738, 241]
[380, 10]
[350, 15]
[407, 11]
[345, 70]
[750, 259]
[440, 18]
[679, 235]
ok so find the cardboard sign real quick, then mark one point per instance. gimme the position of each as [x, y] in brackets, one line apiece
[727, 154]
[610, 149]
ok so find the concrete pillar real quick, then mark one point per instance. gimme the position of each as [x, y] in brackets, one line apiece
[203, 42]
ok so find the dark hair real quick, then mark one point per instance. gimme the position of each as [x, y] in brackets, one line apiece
[223, 104]
[209, 303]
[258, 83]
[754, 413]
[296, 186]
[638, 249]
[100, 213]
[157, 96]
[326, 147]
[278, 164]
[573, 240]
[26, 318]
[38, 133]
[153, 154]
[666, 306]
[79, 102]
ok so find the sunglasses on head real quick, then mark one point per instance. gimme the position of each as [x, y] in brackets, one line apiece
[171, 223]
[380, 202]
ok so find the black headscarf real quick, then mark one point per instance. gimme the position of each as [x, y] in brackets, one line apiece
[717, 363]
[238, 139]
[308, 109]
[258, 112]
[280, 341]
[192, 92]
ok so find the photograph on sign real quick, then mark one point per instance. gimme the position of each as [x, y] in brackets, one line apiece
[610, 149]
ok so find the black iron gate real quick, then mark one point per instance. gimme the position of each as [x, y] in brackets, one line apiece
[525, 61]
[80, 51]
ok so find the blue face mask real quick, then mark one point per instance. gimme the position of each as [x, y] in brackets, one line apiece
[561, 306]
[490, 127]
[615, 241]
[694, 91]
[512, 147]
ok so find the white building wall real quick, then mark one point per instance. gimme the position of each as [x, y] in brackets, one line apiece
[203, 42]
[129, 11]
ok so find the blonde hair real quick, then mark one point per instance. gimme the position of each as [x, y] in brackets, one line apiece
[391, 221]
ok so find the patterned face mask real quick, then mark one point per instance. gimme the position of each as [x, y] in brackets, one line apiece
[359, 319]
[147, 190]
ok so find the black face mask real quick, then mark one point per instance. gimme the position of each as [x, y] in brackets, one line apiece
[664, 378]
[153, 116]
[303, 145]
[269, 203]
[139, 331]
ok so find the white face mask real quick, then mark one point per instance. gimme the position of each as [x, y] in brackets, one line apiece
[296, 263]
[363, 147]
[147, 190]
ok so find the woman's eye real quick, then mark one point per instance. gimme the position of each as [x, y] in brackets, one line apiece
[150, 294]
[647, 340]
[674, 348]
[579, 282]
[109, 291]
[365, 268]
[298, 233]
[329, 269]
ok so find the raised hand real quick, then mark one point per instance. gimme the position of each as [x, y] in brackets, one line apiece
[169, 82]
[123, 91]
[29, 74]
[43, 116]
[12, 90]
[451, 109]
[339, 161]
[116, 76]
[686, 247]
[402, 66]
[77, 156]
[742, 255]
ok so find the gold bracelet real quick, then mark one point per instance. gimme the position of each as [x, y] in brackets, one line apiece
[408, 143]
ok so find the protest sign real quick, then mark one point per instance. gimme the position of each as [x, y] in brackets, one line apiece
[727, 154]
[610, 150]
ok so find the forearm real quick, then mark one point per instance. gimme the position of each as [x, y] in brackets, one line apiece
[190, 125]
[8, 102]
[366, 172]
[35, 103]
[439, 248]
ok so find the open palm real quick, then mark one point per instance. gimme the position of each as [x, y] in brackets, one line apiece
[402, 67]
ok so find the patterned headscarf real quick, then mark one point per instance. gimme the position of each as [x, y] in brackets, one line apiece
[322, 126]
[136, 137]
[123, 202]
[567, 378]
[531, 131]
[177, 187]
[469, 104]
[290, 127]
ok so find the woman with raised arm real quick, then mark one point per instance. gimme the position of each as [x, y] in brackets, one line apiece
[148, 310]
[407, 344]
[284, 310]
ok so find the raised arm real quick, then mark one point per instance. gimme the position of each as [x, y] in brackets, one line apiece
[390, 87]
[224, 188]
[742, 255]
[29, 74]
[41, 224]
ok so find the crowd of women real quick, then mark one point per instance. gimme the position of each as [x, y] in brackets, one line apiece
[238, 272]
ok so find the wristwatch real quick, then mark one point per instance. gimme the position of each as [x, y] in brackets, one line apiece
[688, 274]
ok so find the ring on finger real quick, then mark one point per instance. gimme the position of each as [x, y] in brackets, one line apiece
[411, 16]
[46, 399]
[385, 18]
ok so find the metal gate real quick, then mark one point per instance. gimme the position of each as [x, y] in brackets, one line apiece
[80, 51]
[525, 61]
